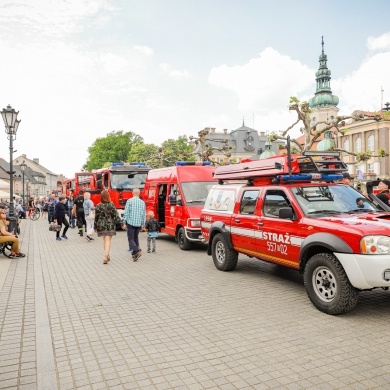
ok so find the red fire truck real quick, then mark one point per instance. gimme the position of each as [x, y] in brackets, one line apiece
[176, 195]
[82, 181]
[119, 180]
[291, 211]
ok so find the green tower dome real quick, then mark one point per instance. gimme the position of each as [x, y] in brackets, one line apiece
[267, 152]
[327, 143]
[323, 96]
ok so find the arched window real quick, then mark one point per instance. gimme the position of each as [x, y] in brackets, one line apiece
[370, 143]
[358, 145]
[346, 145]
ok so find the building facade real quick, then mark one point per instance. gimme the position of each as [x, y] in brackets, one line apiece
[41, 181]
[244, 143]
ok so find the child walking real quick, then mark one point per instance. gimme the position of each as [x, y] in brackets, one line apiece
[153, 227]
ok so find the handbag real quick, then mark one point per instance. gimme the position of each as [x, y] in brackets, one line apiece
[91, 214]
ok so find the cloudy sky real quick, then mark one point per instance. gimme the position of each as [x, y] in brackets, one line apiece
[78, 69]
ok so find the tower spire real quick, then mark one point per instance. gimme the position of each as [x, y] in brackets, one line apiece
[323, 95]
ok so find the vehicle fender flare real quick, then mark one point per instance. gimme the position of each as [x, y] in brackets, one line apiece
[219, 227]
[321, 242]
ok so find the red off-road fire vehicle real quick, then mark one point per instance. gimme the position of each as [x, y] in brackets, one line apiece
[291, 211]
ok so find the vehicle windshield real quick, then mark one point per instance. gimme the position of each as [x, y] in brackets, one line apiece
[195, 193]
[327, 200]
[125, 181]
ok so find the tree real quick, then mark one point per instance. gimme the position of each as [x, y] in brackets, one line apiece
[147, 153]
[176, 150]
[165, 155]
[312, 134]
[114, 147]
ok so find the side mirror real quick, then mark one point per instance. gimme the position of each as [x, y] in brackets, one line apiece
[172, 200]
[286, 213]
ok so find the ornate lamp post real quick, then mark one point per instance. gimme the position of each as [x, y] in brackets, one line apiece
[11, 127]
[23, 167]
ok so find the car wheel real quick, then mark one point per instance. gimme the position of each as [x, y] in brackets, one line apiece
[328, 286]
[225, 259]
[184, 244]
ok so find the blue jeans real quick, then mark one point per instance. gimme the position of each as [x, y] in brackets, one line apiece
[132, 236]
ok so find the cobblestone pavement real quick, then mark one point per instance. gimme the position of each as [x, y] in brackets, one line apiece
[172, 321]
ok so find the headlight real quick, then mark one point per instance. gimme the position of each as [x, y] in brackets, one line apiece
[195, 222]
[375, 245]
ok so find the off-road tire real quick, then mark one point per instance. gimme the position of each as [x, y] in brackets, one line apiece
[182, 240]
[225, 259]
[328, 286]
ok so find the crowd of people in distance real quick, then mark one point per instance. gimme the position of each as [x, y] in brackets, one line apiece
[102, 219]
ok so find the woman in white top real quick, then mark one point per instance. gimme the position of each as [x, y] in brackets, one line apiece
[89, 211]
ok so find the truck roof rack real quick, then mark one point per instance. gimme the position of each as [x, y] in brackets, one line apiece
[311, 165]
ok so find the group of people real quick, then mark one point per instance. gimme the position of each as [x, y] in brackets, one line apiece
[104, 219]
[383, 188]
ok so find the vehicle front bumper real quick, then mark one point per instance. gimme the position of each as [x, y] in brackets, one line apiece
[366, 271]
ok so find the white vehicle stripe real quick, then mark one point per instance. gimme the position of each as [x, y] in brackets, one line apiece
[254, 233]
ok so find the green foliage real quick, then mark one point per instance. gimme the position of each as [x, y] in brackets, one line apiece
[176, 150]
[170, 151]
[114, 147]
[148, 153]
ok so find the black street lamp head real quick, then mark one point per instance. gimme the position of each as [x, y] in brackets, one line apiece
[10, 120]
[23, 166]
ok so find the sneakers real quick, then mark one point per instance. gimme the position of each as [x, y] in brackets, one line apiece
[88, 238]
[58, 238]
[81, 233]
[153, 251]
[148, 251]
[64, 237]
[136, 256]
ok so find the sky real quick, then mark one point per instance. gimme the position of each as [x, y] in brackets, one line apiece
[79, 69]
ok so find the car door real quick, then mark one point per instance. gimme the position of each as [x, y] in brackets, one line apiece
[244, 223]
[279, 239]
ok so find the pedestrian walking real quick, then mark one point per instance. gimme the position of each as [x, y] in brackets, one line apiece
[78, 212]
[31, 205]
[153, 227]
[72, 218]
[89, 212]
[51, 206]
[106, 220]
[60, 213]
[44, 206]
[6, 236]
[133, 220]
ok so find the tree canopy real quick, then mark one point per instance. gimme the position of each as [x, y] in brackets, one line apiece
[115, 146]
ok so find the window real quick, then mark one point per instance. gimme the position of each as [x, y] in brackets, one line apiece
[371, 168]
[248, 202]
[273, 202]
[346, 145]
[370, 143]
[358, 145]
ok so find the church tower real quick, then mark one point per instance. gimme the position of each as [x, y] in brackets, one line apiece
[323, 105]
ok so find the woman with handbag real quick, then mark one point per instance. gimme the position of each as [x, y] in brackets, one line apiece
[106, 220]
[89, 211]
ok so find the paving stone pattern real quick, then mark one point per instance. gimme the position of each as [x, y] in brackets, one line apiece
[172, 321]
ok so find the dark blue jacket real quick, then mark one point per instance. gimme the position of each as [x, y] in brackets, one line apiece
[60, 210]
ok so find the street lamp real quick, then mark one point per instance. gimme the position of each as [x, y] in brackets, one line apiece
[23, 167]
[11, 122]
